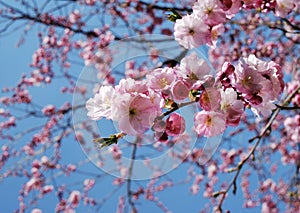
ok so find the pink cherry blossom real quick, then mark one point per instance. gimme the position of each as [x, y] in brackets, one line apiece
[210, 99]
[191, 32]
[100, 106]
[161, 78]
[209, 123]
[130, 85]
[231, 106]
[225, 74]
[248, 79]
[260, 82]
[180, 90]
[136, 114]
[194, 68]
[175, 124]
[210, 11]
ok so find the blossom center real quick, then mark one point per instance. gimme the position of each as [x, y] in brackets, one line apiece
[191, 31]
[208, 121]
[163, 82]
[132, 112]
[209, 10]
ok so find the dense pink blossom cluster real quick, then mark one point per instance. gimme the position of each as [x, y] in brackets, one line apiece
[140, 105]
[206, 23]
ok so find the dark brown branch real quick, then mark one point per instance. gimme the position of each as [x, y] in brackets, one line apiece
[164, 8]
[287, 108]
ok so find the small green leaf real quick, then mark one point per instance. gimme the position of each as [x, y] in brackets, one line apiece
[174, 16]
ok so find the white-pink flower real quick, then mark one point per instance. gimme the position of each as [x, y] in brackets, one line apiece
[130, 85]
[231, 106]
[101, 105]
[210, 11]
[161, 78]
[191, 32]
[209, 123]
[194, 68]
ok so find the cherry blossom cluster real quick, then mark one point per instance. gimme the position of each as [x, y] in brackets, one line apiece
[206, 22]
[152, 102]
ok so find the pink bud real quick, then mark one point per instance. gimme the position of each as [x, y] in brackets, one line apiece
[175, 124]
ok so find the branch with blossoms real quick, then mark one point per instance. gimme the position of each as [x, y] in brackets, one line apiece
[247, 80]
[138, 105]
[263, 133]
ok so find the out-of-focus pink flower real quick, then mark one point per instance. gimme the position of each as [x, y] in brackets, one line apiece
[36, 211]
[216, 31]
[231, 7]
[212, 170]
[269, 206]
[74, 198]
[284, 7]
[48, 110]
[116, 152]
[100, 106]
[175, 124]
[74, 17]
[292, 126]
[291, 87]
[210, 11]
[191, 32]
[154, 54]
[231, 106]
[161, 78]
[209, 123]
[88, 184]
[136, 114]
[47, 189]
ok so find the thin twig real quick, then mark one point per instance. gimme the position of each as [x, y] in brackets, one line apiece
[238, 169]
[129, 192]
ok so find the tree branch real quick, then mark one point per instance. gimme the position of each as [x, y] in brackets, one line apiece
[238, 169]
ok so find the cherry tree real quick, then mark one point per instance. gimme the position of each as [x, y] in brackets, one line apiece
[198, 100]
